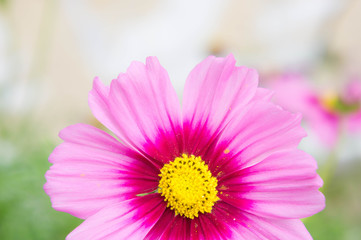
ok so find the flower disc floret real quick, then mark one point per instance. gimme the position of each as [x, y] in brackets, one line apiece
[188, 186]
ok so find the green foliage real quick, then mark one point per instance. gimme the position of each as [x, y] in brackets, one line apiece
[25, 209]
[341, 219]
[323, 226]
[345, 108]
[3, 2]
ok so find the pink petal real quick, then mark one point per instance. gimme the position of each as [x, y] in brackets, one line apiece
[261, 129]
[284, 185]
[91, 170]
[353, 122]
[324, 123]
[98, 102]
[245, 226]
[164, 222]
[263, 94]
[295, 94]
[142, 109]
[226, 222]
[214, 93]
[204, 227]
[171, 227]
[130, 219]
[351, 93]
[214, 227]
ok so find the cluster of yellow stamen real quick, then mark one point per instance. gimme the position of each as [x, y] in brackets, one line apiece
[188, 186]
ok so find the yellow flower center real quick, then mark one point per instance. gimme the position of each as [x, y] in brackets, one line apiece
[329, 100]
[188, 186]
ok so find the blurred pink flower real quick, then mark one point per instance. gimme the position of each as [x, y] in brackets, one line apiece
[226, 166]
[326, 112]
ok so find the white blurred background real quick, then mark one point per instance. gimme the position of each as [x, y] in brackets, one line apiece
[51, 50]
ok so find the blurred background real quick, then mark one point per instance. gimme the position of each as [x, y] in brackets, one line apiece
[308, 51]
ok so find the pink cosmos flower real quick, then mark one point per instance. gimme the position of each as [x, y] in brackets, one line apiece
[226, 166]
[326, 112]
